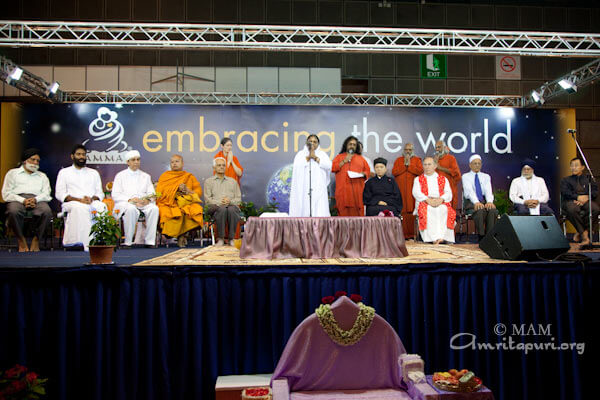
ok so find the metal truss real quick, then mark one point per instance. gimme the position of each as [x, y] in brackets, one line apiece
[345, 99]
[295, 38]
[580, 77]
[27, 82]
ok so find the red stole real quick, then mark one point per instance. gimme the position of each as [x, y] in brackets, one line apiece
[422, 211]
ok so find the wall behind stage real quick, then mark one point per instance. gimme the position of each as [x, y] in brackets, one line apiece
[266, 138]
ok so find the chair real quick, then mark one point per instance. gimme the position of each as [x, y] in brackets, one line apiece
[28, 219]
[314, 365]
[464, 217]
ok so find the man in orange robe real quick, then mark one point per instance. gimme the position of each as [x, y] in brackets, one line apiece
[406, 169]
[349, 190]
[448, 167]
[233, 168]
[179, 201]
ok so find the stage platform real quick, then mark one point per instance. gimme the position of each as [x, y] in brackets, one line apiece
[165, 323]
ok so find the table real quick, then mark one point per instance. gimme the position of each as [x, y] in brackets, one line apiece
[323, 237]
[229, 387]
[426, 391]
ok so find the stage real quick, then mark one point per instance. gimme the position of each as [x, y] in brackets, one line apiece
[164, 323]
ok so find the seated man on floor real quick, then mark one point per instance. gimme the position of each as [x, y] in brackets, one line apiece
[381, 192]
[25, 188]
[79, 188]
[529, 192]
[133, 193]
[433, 194]
[179, 201]
[574, 190]
[223, 196]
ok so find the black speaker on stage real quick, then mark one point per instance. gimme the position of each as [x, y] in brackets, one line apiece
[527, 237]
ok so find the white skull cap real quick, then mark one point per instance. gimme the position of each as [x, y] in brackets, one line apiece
[131, 154]
[474, 157]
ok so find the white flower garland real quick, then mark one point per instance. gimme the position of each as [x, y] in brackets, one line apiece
[337, 334]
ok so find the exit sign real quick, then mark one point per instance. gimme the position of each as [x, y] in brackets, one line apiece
[434, 66]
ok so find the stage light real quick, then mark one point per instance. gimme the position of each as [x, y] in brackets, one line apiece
[569, 86]
[14, 75]
[52, 89]
[537, 97]
[506, 112]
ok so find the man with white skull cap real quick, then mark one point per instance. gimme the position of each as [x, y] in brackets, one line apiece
[478, 197]
[133, 193]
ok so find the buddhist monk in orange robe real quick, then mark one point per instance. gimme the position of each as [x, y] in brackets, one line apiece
[349, 191]
[179, 201]
[406, 169]
[233, 168]
[448, 167]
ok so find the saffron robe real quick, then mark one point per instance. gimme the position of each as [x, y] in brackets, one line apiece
[436, 220]
[229, 171]
[178, 213]
[349, 191]
[405, 176]
[449, 162]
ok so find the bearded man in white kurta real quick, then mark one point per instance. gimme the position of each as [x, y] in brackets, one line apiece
[133, 193]
[79, 189]
[433, 194]
[312, 168]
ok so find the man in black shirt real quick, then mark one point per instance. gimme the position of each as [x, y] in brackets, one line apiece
[381, 192]
[574, 192]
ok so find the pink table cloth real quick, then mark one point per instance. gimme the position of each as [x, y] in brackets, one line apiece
[323, 237]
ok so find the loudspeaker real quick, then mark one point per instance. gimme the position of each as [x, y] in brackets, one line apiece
[527, 237]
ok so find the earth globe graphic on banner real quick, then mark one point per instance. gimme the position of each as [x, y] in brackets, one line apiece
[279, 187]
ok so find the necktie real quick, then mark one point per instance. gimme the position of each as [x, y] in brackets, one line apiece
[478, 190]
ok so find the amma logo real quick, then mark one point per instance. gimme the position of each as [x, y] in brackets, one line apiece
[107, 145]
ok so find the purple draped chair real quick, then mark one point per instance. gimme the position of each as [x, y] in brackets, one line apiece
[314, 366]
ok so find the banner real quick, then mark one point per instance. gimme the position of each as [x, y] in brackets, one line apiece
[266, 138]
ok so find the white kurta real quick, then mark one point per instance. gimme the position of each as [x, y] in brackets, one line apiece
[127, 185]
[80, 182]
[436, 216]
[522, 189]
[299, 195]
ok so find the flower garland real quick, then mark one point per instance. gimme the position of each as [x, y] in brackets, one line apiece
[337, 334]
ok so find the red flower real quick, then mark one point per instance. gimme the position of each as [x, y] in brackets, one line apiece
[117, 211]
[31, 377]
[357, 298]
[340, 293]
[327, 299]
[94, 212]
[15, 371]
[15, 387]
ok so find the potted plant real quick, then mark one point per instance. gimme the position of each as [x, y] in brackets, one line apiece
[106, 233]
[18, 383]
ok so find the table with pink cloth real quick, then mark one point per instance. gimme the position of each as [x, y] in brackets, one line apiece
[323, 237]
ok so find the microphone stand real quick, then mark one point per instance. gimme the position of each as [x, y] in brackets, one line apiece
[310, 182]
[590, 246]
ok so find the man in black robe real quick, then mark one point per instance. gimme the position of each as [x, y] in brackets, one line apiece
[381, 192]
[574, 192]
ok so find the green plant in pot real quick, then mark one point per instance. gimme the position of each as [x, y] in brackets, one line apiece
[106, 233]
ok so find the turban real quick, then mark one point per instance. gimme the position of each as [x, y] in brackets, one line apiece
[528, 162]
[474, 157]
[29, 153]
[380, 160]
[131, 154]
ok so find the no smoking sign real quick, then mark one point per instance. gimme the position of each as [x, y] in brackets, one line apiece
[508, 67]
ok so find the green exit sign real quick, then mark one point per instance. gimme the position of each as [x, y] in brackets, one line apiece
[434, 66]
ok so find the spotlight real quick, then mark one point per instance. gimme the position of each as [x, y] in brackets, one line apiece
[569, 86]
[14, 75]
[52, 89]
[537, 97]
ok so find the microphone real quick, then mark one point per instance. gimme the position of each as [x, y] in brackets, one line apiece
[571, 130]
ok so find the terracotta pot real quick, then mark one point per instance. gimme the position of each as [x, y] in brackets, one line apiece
[101, 254]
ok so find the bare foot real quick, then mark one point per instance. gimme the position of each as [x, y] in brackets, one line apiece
[576, 238]
[181, 242]
[585, 239]
[23, 245]
[220, 243]
[438, 241]
[35, 244]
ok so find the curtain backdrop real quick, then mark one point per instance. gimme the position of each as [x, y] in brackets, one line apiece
[167, 333]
